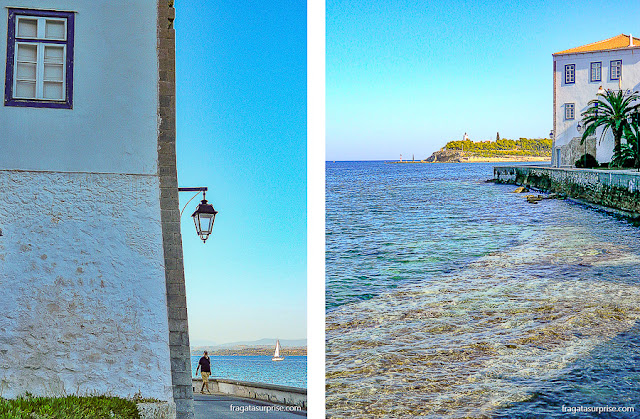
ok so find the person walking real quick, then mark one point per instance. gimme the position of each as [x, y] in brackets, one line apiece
[204, 365]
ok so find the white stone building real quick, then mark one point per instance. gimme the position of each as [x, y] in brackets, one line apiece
[577, 75]
[91, 277]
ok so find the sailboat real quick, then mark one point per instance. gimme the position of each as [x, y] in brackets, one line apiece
[276, 353]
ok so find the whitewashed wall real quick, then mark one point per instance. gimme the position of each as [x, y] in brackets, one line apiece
[83, 298]
[115, 94]
[583, 90]
[83, 307]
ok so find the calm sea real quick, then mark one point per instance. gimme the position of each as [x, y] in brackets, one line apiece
[451, 297]
[291, 372]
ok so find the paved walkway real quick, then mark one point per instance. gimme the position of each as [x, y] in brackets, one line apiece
[226, 406]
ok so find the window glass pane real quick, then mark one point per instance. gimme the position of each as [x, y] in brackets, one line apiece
[27, 53]
[52, 90]
[54, 29]
[26, 71]
[53, 72]
[27, 28]
[53, 54]
[26, 89]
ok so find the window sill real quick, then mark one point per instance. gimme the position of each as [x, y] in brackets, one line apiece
[35, 103]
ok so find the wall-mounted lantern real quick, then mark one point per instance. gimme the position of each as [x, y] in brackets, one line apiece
[204, 215]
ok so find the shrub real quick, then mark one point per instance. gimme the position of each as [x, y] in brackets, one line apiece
[624, 156]
[76, 407]
[587, 161]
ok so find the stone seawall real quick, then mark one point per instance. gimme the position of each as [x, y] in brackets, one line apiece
[291, 396]
[619, 189]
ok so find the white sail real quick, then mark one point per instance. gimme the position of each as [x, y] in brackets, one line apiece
[276, 353]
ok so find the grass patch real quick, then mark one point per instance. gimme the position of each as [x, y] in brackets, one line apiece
[74, 407]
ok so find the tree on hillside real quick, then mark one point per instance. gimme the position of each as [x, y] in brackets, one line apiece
[497, 136]
[534, 146]
[610, 110]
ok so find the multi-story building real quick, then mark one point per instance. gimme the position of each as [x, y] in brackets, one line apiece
[92, 294]
[578, 73]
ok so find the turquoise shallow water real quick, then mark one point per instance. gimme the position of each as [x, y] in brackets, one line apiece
[291, 372]
[451, 297]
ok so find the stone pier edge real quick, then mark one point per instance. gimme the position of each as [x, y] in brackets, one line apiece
[616, 190]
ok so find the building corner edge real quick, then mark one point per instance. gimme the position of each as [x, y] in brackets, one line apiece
[180, 352]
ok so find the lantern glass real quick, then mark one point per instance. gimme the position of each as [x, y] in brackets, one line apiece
[206, 224]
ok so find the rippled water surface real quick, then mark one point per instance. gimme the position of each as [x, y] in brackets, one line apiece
[291, 372]
[451, 297]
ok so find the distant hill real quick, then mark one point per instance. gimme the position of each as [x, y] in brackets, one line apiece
[264, 342]
[265, 346]
[523, 149]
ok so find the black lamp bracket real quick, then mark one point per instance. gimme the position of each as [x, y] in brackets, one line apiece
[202, 189]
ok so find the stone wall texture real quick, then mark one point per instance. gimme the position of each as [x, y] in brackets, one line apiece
[574, 150]
[619, 189]
[83, 298]
[172, 239]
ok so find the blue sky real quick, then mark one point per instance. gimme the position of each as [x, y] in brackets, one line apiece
[241, 131]
[405, 77]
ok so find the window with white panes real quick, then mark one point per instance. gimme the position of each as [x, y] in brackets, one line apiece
[569, 73]
[615, 69]
[39, 59]
[596, 71]
[569, 111]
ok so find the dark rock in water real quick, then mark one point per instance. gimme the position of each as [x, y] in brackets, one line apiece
[533, 199]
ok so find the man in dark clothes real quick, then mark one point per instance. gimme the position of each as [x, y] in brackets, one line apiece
[204, 365]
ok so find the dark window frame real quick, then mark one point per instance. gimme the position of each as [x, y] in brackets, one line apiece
[9, 100]
[591, 78]
[566, 73]
[568, 106]
[611, 70]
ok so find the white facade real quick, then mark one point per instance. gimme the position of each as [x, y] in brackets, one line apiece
[83, 302]
[115, 94]
[566, 137]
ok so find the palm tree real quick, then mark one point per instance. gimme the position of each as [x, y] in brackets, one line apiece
[610, 110]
